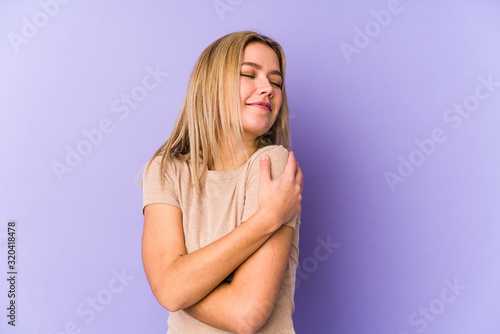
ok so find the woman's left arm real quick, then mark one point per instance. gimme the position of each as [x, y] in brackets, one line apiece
[244, 305]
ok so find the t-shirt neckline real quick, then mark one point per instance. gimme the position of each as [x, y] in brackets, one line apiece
[230, 173]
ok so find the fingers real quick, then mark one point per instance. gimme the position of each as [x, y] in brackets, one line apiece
[292, 168]
[265, 168]
[299, 177]
[291, 165]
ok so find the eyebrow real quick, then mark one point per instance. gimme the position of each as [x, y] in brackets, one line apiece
[257, 66]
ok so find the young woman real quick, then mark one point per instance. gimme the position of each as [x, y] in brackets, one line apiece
[222, 197]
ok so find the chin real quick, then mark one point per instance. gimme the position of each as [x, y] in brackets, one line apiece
[254, 134]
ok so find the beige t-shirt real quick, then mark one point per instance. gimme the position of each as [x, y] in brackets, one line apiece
[227, 199]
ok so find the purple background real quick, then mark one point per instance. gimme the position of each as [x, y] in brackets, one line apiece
[354, 118]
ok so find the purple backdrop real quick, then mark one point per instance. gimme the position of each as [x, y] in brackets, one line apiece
[395, 117]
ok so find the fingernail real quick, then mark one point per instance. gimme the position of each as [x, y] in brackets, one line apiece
[263, 157]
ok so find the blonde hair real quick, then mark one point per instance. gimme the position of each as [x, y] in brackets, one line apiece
[211, 108]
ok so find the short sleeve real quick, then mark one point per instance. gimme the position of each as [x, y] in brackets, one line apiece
[152, 189]
[278, 156]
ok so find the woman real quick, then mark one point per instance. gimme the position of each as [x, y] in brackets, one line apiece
[222, 197]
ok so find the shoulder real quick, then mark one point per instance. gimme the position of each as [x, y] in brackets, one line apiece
[155, 162]
[156, 168]
[151, 175]
[274, 152]
[153, 166]
[278, 156]
[171, 163]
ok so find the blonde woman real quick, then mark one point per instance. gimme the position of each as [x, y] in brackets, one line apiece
[221, 197]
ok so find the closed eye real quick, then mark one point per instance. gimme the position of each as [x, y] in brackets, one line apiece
[278, 85]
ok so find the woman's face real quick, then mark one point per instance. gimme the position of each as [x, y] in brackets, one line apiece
[260, 89]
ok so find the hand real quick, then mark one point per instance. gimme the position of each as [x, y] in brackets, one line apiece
[281, 197]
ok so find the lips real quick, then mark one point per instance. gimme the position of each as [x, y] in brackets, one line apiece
[261, 104]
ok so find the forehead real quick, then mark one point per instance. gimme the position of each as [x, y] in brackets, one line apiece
[261, 54]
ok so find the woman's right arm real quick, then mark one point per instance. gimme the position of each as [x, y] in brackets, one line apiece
[179, 280]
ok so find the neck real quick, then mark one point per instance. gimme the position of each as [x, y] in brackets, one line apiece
[229, 160]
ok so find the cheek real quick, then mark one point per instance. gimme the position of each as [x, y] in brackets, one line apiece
[245, 90]
[278, 100]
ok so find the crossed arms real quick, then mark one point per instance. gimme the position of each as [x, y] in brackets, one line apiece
[257, 252]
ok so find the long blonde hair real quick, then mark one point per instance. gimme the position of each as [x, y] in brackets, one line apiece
[211, 107]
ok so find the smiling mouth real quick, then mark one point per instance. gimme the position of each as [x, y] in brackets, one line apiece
[265, 106]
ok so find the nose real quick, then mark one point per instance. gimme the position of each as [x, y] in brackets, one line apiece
[265, 87]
